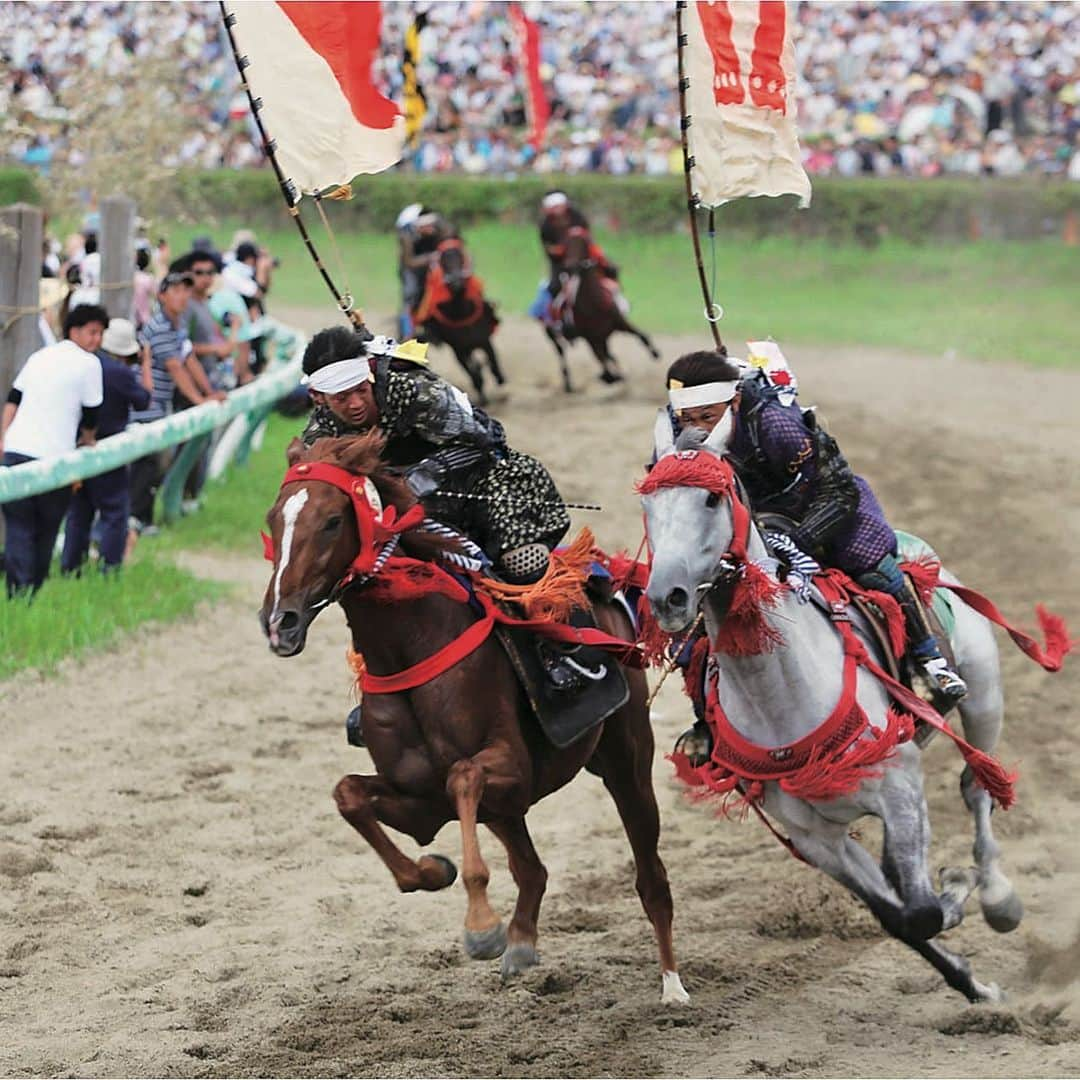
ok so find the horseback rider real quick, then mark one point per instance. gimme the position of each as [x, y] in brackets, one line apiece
[558, 215]
[817, 508]
[441, 443]
[419, 242]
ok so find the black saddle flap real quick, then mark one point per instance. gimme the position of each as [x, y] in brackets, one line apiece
[566, 715]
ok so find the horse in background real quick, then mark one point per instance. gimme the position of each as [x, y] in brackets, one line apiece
[589, 305]
[454, 311]
[462, 744]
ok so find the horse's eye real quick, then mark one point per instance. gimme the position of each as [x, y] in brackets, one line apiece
[712, 500]
[332, 524]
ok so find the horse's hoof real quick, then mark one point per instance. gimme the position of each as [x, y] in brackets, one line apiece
[1003, 915]
[518, 957]
[485, 944]
[654, 354]
[989, 994]
[445, 867]
[673, 993]
[610, 377]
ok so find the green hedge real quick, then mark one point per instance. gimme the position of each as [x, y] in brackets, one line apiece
[860, 210]
[18, 185]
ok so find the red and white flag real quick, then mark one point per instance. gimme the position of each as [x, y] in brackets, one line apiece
[740, 62]
[527, 36]
[311, 65]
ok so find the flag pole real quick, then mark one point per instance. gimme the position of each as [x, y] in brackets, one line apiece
[345, 301]
[712, 311]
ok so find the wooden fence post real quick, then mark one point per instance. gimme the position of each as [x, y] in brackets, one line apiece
[21, 229]
[117, 255]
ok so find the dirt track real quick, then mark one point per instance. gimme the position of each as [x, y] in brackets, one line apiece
[178, 896]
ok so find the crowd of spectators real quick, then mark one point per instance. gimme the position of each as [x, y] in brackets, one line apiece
[911, 88]
[194, 331]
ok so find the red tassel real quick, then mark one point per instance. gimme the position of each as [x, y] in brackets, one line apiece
[990, 774]
[925, 572]
[746, 631]
[1056, 635]
[268, 547]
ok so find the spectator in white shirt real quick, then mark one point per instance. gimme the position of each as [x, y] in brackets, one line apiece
[52, 407]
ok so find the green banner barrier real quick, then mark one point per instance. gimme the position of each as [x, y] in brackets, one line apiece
[35, 477]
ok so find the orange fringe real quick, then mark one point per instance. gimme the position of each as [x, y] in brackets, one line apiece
[558, 592]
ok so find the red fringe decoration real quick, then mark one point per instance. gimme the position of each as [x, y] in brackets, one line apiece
[559, 591]
[624, 571]
[1056, 635]
[745, 630]
[694, 675]
[405, 579]
[688, 469]
[655, 643]
[925, 573]
[819, 777]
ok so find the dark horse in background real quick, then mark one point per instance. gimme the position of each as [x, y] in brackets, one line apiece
[587, 307]
[454, 311]
[465, 743]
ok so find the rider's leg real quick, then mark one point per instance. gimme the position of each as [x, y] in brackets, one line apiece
[923, 646]
[695, 742]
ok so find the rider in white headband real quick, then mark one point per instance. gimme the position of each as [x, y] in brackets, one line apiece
[794, 471]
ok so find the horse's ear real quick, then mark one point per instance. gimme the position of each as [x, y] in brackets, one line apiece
[663, 434]
[294, 451]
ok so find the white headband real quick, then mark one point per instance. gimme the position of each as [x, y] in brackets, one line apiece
[693, 397]
[556, 198]
[342, 375]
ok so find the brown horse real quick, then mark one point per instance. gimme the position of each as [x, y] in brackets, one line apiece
[463, 745]
[593, 313]
[454, 311]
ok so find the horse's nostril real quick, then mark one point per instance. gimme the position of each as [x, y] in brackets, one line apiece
[677, 598]
[288, 621]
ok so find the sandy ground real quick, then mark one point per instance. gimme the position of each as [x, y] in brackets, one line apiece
[178, 896]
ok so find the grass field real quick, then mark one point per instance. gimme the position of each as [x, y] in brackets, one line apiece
[986, 300]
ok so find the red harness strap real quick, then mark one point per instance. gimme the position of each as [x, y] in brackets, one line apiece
[626, 652]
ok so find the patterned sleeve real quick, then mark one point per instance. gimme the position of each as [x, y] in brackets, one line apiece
[437, 412]
[788, 443]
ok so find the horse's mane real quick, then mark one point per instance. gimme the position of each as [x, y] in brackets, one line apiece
[362, 455]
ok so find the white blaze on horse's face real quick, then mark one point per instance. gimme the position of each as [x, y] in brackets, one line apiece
[289, 513]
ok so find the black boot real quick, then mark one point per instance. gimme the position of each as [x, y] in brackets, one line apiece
[924, 650]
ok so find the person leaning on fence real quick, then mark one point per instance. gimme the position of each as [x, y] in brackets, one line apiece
[53, 406]
[126, 382]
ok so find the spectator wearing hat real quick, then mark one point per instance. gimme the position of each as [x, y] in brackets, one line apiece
[53, 405]
[126, 382]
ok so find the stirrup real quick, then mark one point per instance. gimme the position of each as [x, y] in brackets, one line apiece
[354, 732]
[696, 743]
[947, 681]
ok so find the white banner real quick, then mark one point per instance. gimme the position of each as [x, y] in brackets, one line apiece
[311, 65]
[740, 62]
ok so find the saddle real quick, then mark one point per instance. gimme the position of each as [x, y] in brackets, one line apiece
[870, 623]
[567, 715]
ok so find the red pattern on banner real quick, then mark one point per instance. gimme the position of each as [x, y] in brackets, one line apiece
[716, 20]
[346, 36]
[768, 87]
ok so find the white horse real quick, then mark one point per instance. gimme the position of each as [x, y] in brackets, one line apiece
[780, 696]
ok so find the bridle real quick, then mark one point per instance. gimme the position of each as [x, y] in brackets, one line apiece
[588, 263]
[700, 469]
[379, 529]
